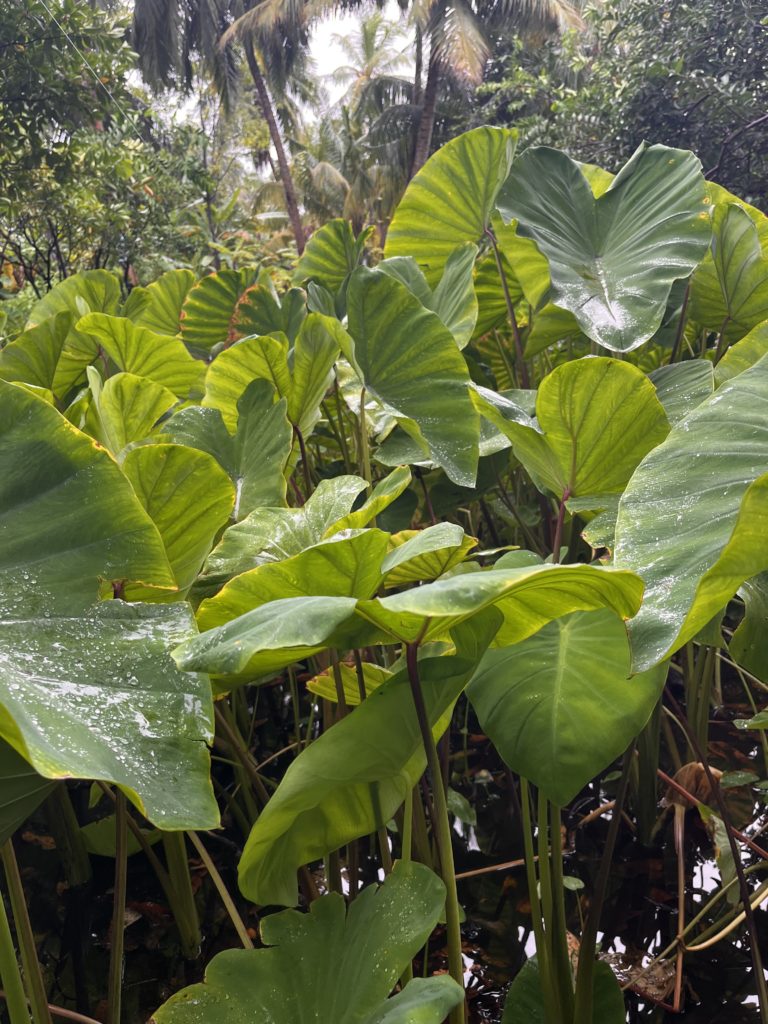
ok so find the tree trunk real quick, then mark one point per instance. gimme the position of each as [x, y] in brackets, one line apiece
[427, 119]
[418, 65]
[265, 104]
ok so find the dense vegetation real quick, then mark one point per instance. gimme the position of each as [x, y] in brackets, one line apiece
[382, 612]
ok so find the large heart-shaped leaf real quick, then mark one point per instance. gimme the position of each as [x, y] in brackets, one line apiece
[125, 408]
[88, 689]
[210, 307]
[743, 354]
[451, 199]
[729, 293]
[351, 780]
[139, 351]
[34, 355]
[597, 418]
[692, 520]
[408, 359]
[680, 387]
[261, 358]
[560, 706]
[331, 254]
[613, 259]
[260, 310]
[158, 306]
[296, 980]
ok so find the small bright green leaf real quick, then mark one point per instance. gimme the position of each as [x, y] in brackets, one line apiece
[693, 519]
[729, 293]
[612, 260]
[22, 789]
[162, 302]
[384, 493]
[270, 534]
[680, 387]
[426, 554]
[139, 351]
[125, 408]
[451, 199]
[332, 253]
[560, 706]
[296, 979]
[33, 356]
[324, 683]
[311, 361]
[743, 354]
[749, 644]
[352, 779]
[260, 311]
[525, 1005]
[208, 313]
[262, 358]
[409, 361]
[549, 325]
[255, 457]
[454, 298]
[188, 496]
[94, 290]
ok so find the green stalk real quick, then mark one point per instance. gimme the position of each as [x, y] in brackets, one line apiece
[115, 977]
[560, 955]
[184, 907]
[364, 454]
[222, 890]
[547, 904]
[442, 828]
[33, 979]
[537, 921]
[10, 974]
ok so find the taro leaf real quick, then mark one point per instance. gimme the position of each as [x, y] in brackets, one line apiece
[208, 313]
[425, 554]
[343, 567]
[296, 980]
[22, 789]
[560, 706]
[261, 311]
[311, 362]
[548, 326]
[680, 387]
[408, 359]
[351, 780]
[597, 418]
[612, 260]
[529, 597]
[324, 683]
[89, 690]
[97, 291]
[743, 354]
[139, 351]
[384, 493]
[33, 356]
[693, 519]
[525, 1005]
[255, 456]
[188, 496]
[263, 358]
[749, 645]
[158, 306]
[332, 253]
[125, 408]
[451, 199]
[729, 293]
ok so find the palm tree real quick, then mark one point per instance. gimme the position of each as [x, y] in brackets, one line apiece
[376, 57]
[169, 34]
[460, 33]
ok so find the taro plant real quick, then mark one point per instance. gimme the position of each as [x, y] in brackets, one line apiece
[514, 472]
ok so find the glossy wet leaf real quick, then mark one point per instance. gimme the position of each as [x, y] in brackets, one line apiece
[692, 520]
[409, 361]
[561, 706]
[261, 358]
[351, 780]
[188, 496]
[137, 350]
[425, 554]
[34, 355]
[89, 689]
[295, 980]
[451, 199]
[97, 291]
[596, 419]
[208, 313]
[613, 259]
[332, 253]
[22, 790]
[729, 293]
[125, 408]
[161, 302]
[680, 387]
[311, 362]
[525, 1005]
[743, 354]
[254, 456]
